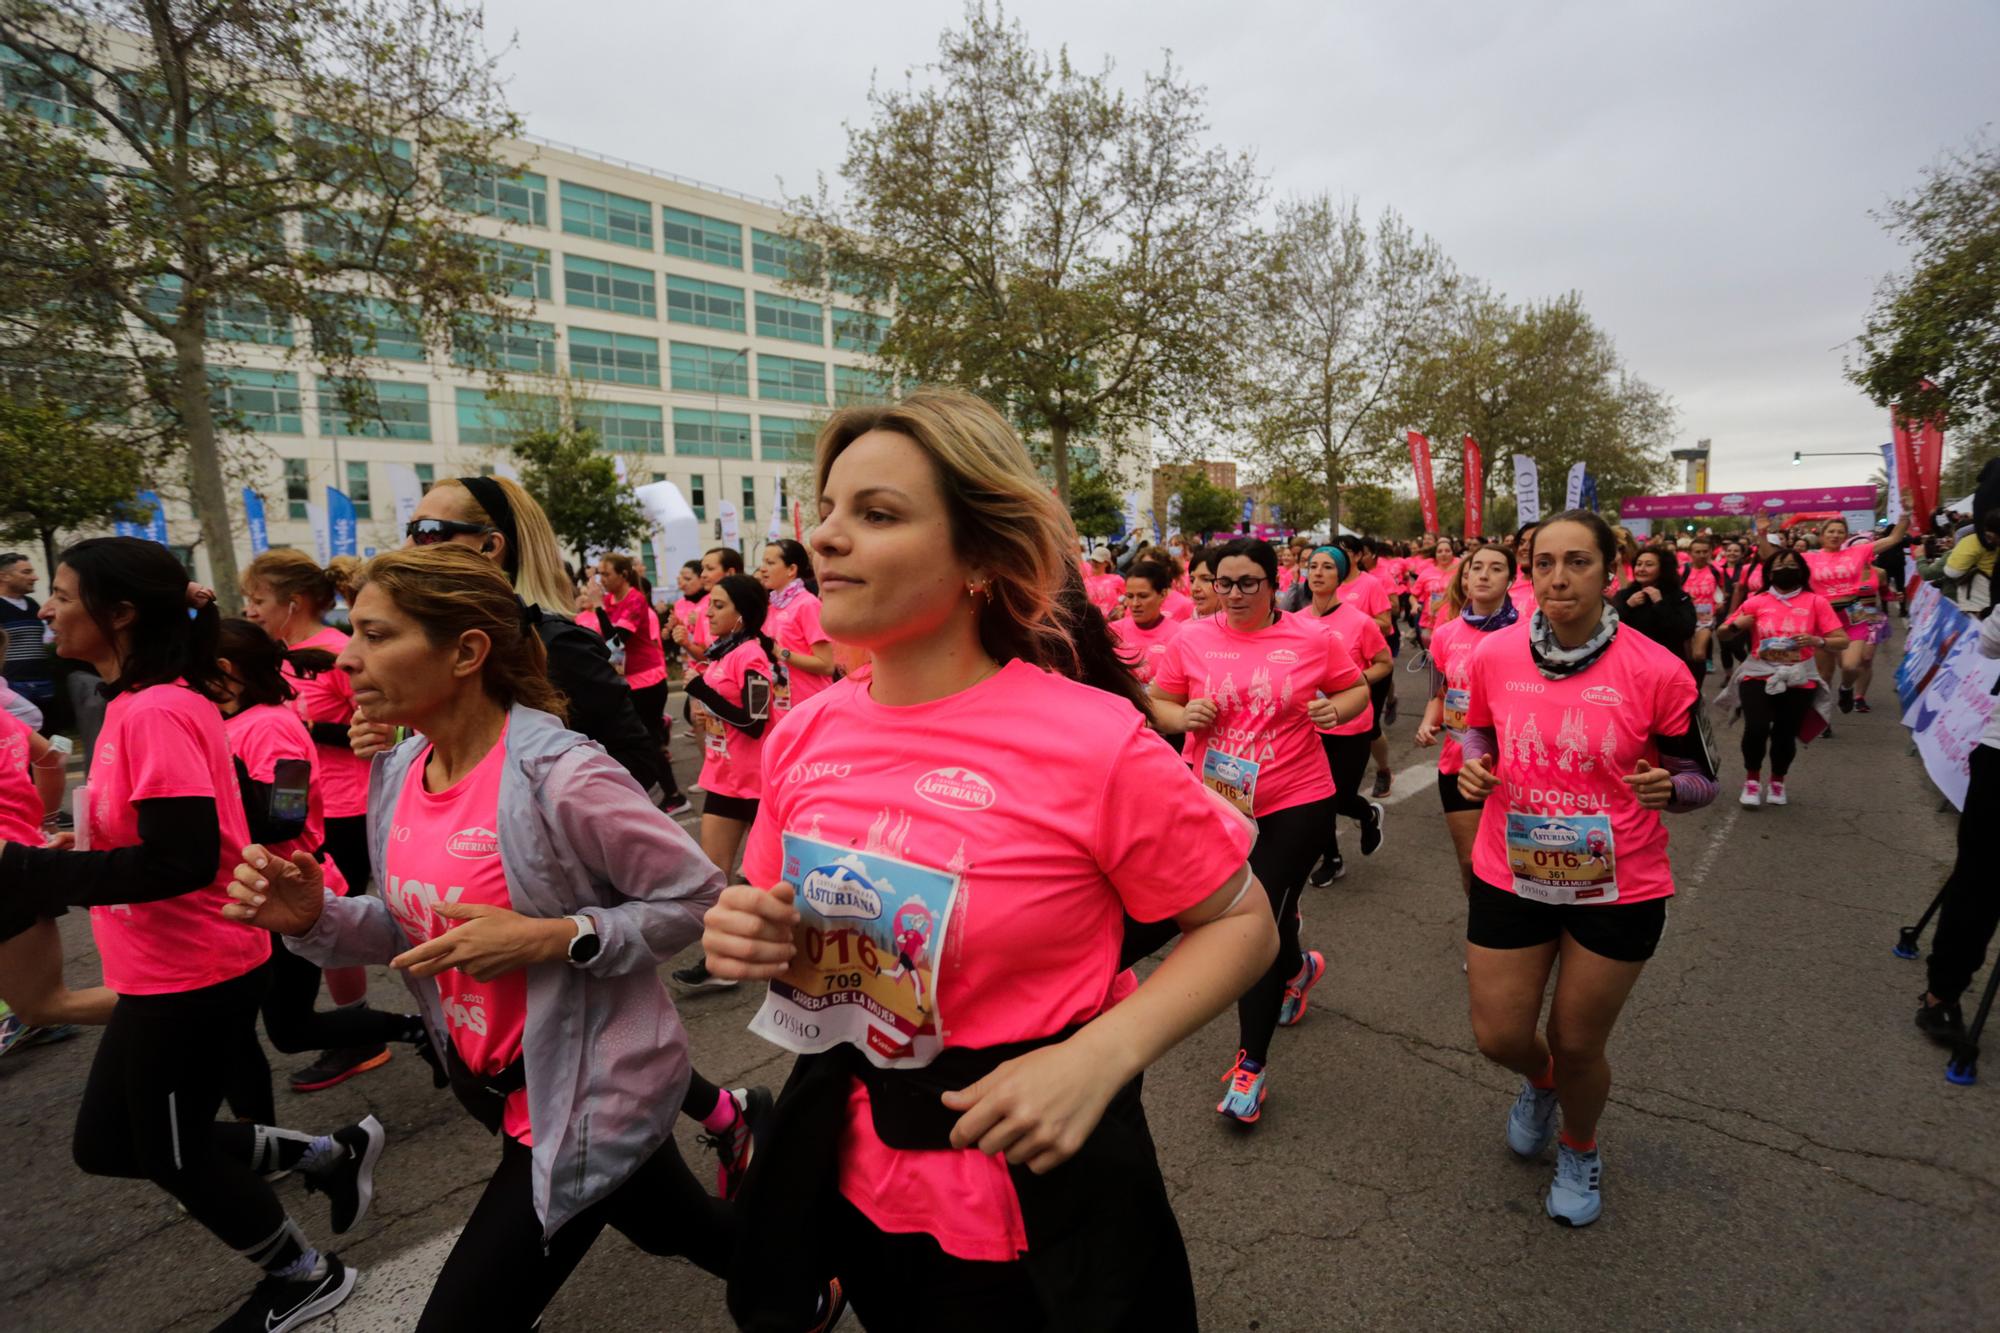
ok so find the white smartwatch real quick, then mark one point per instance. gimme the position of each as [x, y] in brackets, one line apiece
[585, 946]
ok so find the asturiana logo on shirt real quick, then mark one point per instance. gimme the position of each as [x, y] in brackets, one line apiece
[1603, 694]
[1282, 657]
[473, 844]
[955, 789]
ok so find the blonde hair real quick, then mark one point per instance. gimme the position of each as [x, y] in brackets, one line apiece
[345, 572]
[539, 574]
[291, 573]
[449, 589]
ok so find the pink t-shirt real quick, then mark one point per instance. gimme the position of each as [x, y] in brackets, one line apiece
[645, 659]
[329, 697]
[1841, 575]
[1775, 617]
[1286, 575]
[797, 629]
[1048, 799]
[1452, 644]
[159, 742]
[20, 803]
[1261, 684]
[1521, 592]
[1177, 605]
[1565, 746]
[445, 847]
[1707, 590]
[732, 762]
[1143, 647]
[1366, 592]
[261, 736]
[687, 611]
[1361, 639]
[1429, 587]
[1104, 591]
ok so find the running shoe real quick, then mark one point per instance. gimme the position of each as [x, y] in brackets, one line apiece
[1942, 1023]
[832, 1308]
[677, 804]
[1389, 712]
[1296, 990]
[1244, 1101]
[734, 1146]
[349, 1183]
[1381, 783]
[1846, 698]
[1531, 1124]
[12, 1029]
[1371, 829]
[49, 1036]
[1861, 705]
[1329, 869]
[1573, 1198]
[1776, 796]
[334, 1067]
[281, 1303]
[1752, 793]
[697, 978]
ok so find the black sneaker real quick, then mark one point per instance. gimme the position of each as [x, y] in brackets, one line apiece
[280, 1303]
[677, 804]
[1381, 783]
[1942, 1023]
[832, 1308]
[349, 1184]
[734, 1146]
[1329, 869]
[1389, 712]
[334, 1067]
[1861, 706]
[1846, 699]
[1371, 830]
[698, 978]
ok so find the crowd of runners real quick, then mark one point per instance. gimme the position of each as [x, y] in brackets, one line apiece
[932, 715]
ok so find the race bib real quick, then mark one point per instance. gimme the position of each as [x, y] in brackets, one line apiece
[1704, 615]
[1780, 648]
[1562, 858]
[1232, 776]
[1457, 703]
[714, 733]
[1861, 613]
[870, 935]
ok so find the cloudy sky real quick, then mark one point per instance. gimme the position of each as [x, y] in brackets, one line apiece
[1703, 173]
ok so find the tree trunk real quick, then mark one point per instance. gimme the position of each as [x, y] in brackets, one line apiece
[205, 472]
[1059, 459]
[1332, 502]
[49, 553]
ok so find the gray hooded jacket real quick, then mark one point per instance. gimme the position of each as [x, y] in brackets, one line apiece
[605, 1055]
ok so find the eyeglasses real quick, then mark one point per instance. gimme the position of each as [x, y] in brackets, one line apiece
[1245, 586]
[431, 531]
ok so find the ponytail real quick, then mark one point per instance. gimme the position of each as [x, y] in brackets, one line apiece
[1096, 661]
[171, 636]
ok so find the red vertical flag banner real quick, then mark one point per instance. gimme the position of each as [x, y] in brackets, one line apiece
[1420, 459]
[1475, 490]
[1919, 461]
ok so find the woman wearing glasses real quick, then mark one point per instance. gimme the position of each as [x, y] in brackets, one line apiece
[1247, 687]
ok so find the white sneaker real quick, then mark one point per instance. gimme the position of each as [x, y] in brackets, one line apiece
[1750, 794]
[1777, 796]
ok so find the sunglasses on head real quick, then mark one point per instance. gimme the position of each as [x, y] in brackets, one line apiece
[431, 531]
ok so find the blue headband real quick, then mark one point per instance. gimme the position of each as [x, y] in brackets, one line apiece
[1339, 557]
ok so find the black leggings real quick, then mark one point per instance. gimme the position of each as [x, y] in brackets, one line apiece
[1772, 719]
[651, 705]
[1289, 841]
[148, 1109]
[347, 844]
[498, 1275]
[1971, 907]
[1347, 757]
[294, 1023]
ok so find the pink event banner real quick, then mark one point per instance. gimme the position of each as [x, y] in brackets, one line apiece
[1723, 503]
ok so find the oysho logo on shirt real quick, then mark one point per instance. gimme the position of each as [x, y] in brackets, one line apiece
[1525, 687]
[803, 772]
[473, 844]
[1282, 657]
[956, 789]
[1603, 694]
[1227, 657]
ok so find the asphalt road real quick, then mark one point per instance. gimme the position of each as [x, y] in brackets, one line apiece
[1781, 1150]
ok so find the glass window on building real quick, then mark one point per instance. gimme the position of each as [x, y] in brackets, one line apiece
[619, 288]
[347, 157]
[710, 240]
[426, 477]
[711, 305]
[521, 197]
[851, 384]
[782, 257]
[298, 489]
[749, 499]
[523, 270]
[702, 434]
[616, 358]
[623, 428]
[26, 88]
[783, 317]
[264, 401]
[357, 488]
[699, 369]
[496, 419]
[617, 218]
[785, 439]
[697, 497]
[857, 330]
[788, 379]
[247, 319]
[379, 408]
[398, 331]
[514, 344]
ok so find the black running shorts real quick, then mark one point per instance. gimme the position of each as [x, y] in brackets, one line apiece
[1622, 932]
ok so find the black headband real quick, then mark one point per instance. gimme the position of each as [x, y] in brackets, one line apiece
[493, 499]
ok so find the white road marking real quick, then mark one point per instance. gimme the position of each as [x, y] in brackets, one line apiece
[390, 1294]
[1410, 781]
[1686, 887]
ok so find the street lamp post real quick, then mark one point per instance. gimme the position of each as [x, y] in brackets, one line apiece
[1798, 455]
[715, 424]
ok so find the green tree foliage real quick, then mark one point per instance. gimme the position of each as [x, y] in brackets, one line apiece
[59, 472]
[1299, 497]
[1370, 508]
[1094, 506]
[1208, 509]
[1342, 319]
[1065, 249]
[589, 505]
[187, 183]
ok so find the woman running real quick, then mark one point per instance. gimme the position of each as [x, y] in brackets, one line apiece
[804, 652]
[1346, 745]
[1707, 585]
[1521, 592]
[1429, 586]
[1201, 585]
[1480, 587]
[287, 594]
[687, 609]
[164, 825]
[717, 564]
[1247, 689]
[1844, 574]
[1003, 1177]
[1788, 625]
[529, 893]
[1654, 604]
[1365, 593]
[617, 608]
[1578, 734]
[729, 705]
[1145, 630]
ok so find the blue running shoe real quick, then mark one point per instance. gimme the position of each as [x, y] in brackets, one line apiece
[1244, 1101]
[1573, 1198]
[1531, 1125]
[1294, 1006]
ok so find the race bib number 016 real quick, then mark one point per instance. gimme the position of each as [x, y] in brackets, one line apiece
[1231, 775]
[1562, 858]
[1457, 703]
[870, 933]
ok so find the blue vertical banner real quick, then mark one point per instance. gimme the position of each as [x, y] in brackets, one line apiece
[253, 517]
[156, 525]
[340, 521]
[1588, 499]
[1249, 509]
[1894, 499]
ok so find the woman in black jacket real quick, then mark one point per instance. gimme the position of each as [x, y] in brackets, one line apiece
[1655, 605]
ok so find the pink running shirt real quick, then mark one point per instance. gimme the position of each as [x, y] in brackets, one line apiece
[445, 847]
[1775, 617]
[329, 697]
[645, 660]
[1261, 684]
[162, 741]
[1048, 798]
[1841, 575]
[732, 762]
[1430, 588]
[1566, 744]
[20, 803]
[1365, 592]
[1705, 587]
[1361, 639]
[262, 735]
[1452, 645]
[1104, 592]
[1176, 605]
[1521, 592]
[797, 629]
[1143, 648]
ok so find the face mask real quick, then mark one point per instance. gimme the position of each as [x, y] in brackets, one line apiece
[1788, 579]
